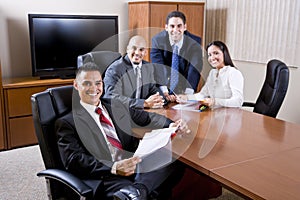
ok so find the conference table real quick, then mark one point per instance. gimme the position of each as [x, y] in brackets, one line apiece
[253, 155]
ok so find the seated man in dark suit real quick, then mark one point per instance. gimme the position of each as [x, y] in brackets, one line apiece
[131, 79]
[96, 143]
[184, 66]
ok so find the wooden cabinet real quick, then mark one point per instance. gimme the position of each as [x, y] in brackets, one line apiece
[19, 127]
[2, 135]
[147, 18]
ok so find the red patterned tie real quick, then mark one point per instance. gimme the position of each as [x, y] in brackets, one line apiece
[104, 121]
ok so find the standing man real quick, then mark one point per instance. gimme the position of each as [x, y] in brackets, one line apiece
[131, 79]
[96, 143]
[181, 52]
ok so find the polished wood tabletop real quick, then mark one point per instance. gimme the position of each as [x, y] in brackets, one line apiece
[276, 176]
[242, 150]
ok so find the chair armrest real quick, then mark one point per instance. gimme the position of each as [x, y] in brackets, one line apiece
[69, 180]
[248, 104]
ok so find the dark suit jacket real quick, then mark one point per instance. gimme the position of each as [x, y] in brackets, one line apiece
[120, 82]
[190, 60]
[81, 144]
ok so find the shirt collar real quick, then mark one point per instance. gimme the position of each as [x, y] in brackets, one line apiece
[223, 69]
[179, 44]
[89, 107]
[135, 65]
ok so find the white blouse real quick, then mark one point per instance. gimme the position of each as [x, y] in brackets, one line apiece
[226, 88]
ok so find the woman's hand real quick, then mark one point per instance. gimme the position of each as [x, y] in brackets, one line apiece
[208, 102]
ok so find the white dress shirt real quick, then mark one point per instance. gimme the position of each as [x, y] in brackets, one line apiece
[179, 44]
[91, 110]
[226, 88]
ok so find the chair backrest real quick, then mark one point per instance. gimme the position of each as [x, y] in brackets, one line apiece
[47, 106]
[102, 58]
[274, 89]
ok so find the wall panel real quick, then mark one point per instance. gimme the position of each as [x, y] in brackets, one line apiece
[256, 30]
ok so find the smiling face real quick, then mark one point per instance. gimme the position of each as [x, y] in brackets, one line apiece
[215, 57]
[136, 49]
[89, 86]
[175, 28]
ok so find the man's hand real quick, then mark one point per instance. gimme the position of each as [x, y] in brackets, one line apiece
[127, 167]
[182, 127]
[154, 101]
[171, 98]
[181, 98]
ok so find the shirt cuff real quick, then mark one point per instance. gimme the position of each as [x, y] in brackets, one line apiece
[191, 97]
[114, 168]
[164, 89]
[189, 91]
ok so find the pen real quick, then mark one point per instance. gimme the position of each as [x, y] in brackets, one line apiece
[177, 97]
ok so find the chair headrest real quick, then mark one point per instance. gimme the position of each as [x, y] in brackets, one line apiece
[274, 70]
[43, 114]
[102, 58]
[62, 99]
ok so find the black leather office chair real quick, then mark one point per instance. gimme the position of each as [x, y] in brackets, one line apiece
[47, 106]
[273, 91]
[102, 58]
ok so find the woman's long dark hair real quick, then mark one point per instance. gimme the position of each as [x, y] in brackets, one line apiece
[224, 49]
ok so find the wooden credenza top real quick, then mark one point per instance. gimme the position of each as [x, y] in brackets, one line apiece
[167, 2]
[32, 81]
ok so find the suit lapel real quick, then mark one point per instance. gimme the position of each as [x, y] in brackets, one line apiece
[130, 73]
[121, 120]
[91, 137]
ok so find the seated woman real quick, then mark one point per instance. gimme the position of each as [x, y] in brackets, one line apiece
[224, 85]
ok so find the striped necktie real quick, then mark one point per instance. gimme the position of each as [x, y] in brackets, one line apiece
[174, 69]
[138, 74]
[107, 126]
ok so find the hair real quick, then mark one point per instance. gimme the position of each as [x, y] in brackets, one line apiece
[176, 14]
[87, 67]
[222, 46]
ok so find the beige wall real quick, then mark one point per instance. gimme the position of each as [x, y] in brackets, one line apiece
[254, 75]
[14, 35]
[15, 50]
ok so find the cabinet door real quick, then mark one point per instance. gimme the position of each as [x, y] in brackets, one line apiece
[2, 139]
[2, 144]
[194, 14]
[22, 132]
[159, 12]
[18, 100]
[138, 14]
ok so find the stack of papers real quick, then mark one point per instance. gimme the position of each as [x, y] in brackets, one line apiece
[154, 140]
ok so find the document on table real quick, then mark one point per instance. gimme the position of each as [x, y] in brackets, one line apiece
[154, 140]
[188, 105]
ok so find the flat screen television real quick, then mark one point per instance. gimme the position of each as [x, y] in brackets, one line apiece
[57, 40]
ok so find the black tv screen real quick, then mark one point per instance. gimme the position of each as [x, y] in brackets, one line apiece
[57, 40]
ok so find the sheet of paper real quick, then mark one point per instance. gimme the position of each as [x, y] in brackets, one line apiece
[189, 105]
[154, 140]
